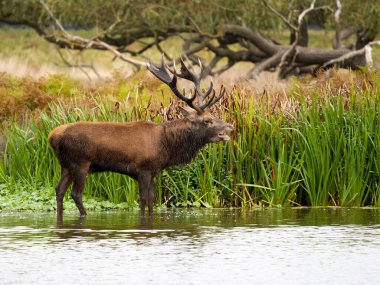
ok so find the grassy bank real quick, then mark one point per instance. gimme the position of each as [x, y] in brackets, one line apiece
[315, 144]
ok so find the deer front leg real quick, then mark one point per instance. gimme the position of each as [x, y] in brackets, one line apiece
[145, 180]
[151, 196]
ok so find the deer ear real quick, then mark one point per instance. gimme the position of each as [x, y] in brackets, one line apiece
[188, 113]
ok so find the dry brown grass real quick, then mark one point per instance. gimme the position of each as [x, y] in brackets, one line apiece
[20, 97]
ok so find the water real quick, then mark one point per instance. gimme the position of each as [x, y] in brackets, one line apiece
[272, 246]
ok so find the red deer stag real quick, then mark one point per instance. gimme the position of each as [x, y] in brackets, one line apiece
[138, 149]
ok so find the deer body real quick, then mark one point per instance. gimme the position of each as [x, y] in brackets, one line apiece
[107, 146]
[138, 149]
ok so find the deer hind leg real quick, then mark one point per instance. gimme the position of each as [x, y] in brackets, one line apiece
[79, 175]
[61, 189]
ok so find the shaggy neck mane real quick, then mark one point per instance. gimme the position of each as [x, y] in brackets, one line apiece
[182, 141]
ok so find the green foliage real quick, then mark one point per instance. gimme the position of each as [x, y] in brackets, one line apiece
[154, 17]
[318, 145]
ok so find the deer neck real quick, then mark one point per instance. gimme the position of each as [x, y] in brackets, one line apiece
[182, 141]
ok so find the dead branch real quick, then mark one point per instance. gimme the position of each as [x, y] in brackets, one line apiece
[266, 64]
[81, 67]
[282, 17]
[85, 43]
[366, 51]
[289, 57]
[337, 39]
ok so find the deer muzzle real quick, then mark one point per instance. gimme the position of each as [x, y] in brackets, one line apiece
[228, 128]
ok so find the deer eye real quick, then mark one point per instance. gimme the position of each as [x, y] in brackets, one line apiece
[208, 122]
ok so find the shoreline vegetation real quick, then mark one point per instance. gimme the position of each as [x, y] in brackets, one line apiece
[314, 143]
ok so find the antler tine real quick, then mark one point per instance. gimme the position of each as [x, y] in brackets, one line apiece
[203, 96]
[161, 72]
[187, 74]
[213, 100]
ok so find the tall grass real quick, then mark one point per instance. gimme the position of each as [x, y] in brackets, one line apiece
[314, 145]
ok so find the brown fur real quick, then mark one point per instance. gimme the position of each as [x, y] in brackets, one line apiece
[138, 149]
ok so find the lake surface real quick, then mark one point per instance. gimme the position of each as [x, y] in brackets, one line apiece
[217, 246]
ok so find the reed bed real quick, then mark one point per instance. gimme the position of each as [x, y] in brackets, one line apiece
[315, 144]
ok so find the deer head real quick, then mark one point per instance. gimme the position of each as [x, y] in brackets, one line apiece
[197, 114]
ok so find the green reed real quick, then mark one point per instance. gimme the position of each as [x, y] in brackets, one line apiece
[318, 149]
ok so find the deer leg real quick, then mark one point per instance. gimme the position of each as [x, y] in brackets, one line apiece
[144, 181]
[79, 178]
[150, 197]
[61, 189]
[77, 192]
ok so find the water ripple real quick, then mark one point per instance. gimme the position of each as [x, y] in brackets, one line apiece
[202, 249]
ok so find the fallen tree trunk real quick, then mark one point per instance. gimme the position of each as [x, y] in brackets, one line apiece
[305, 58]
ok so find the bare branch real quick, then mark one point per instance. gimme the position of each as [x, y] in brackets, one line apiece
[161, 50]
[223, 68]
[338, 11]
[289, 57]
[337, 39]
[198, 30]
[89, 43]
[56, 22]
[366, 50]
[305, 12]
[211, 65]
[117, 53]
[81, 67]
[272, 61]
[282, 17]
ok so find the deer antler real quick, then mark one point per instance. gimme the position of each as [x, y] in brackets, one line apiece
[161, 72]
[187, 74]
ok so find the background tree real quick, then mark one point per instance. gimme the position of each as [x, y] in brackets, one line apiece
[231, 31]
